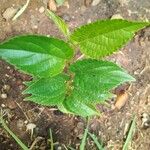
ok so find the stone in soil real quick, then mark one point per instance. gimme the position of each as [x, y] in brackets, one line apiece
[95, 2]
[6, 87]
[145, 120]
[41, 9]
[9, 13]
[117, 16]
[3, 95]
[52, 5]
[66, 17]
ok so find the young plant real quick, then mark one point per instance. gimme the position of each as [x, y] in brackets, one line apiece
[74, 86]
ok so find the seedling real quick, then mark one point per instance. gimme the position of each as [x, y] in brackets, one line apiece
[59, 77]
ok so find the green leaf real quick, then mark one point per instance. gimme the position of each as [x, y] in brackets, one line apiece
[36, 55]
[63, 109]
[29, 83]
[63, 27]
[60, 2]
[47, 91]
[92, 83]
[102, 38]
[77, 107]
[94, 79]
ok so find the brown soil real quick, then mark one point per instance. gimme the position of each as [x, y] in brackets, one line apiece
[67, 130]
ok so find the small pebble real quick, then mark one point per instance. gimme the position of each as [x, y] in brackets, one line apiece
[52, 5]
[11, 145]
[117, 16]
[3, 105]
[95, 2]
[145, 120]
[83, 9]
[6, 87]
[59, 148]
[26, 121]
[3, 96]
[8, 67]
[66, 17]
[6, 75]
[35, 27]
[9, 13]
[14, 79]
[41, 9]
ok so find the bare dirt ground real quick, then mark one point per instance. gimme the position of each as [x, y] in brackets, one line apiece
[68, 130]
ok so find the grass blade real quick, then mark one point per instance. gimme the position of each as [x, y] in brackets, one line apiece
[21, 10]
[83, 142]
[22, 145]
[130, 134]
[51, 139]
[70, 148]
[97, 143]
